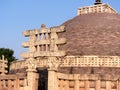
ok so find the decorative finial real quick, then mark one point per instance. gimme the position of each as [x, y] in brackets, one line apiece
[97, 2]
[43, 26]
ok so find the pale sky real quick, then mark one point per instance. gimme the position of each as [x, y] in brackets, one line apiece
[17, 16]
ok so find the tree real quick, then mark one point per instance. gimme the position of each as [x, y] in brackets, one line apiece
[8, 53]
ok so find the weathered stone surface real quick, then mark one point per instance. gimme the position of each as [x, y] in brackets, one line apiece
[90, 70]
[92, 34]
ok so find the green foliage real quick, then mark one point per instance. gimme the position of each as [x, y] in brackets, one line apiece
[8, 53]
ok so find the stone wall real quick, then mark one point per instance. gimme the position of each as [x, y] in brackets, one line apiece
[17, 82]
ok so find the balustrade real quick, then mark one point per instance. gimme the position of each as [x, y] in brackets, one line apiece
[87, 82]
[74, 61]
[101, 8]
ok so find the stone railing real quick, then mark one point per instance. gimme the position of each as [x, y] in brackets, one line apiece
[13, 82]
[100, 8]
[23, 64]
[19, 81]
[73, 61]
[87, 82]
[91, 61]
[18, 64]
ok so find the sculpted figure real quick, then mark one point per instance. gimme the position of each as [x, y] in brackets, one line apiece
[53, 63]
[31, 63]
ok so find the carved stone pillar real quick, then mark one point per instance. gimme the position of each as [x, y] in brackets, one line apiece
[31, 74]
[31, 79]
[52, 74]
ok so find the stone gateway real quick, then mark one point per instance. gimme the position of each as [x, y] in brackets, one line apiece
[81, 54]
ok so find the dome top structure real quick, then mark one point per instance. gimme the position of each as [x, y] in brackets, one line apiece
[98, 7]
[95, 31]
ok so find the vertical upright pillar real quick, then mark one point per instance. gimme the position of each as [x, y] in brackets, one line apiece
[76, 85]
[38, 48]
[0, 85]
[52, 80]
[98, 85]
[4, 65]
[61, 84]
[32, 38]
[4, 84]
[31, 79]
[118, 85]
[46, 47]
[52, 74]
[9, 84]
[108, 85]
[17, 84]
[38, 36]
[42, 47]
[87, 85]
[25, 84]
[36, 83]
[66, 85]
[31, 74]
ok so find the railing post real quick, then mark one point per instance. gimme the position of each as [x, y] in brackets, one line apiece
[98, 85]
[76, 85]
[0, 85]
[108, 85]
[87, 85]
[17, 84]
[67, 85]
[9, 85]
[76, 82]
[118, 85]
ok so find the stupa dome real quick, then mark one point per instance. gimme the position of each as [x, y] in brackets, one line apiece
[92, 34]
